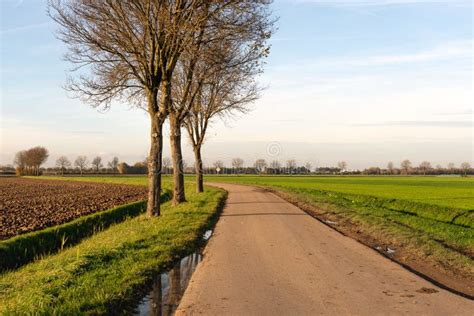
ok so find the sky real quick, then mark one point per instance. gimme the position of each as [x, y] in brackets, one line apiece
[364, 81]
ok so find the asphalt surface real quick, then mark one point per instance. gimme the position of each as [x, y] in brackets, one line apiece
[268, 257]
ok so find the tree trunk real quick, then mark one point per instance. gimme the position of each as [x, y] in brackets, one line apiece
[177, 157]
[154, 168]
[198, 170]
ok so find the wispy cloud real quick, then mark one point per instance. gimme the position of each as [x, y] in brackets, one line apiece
[457, 49]
[24, 28]
[418, 124]
[444, 52]
[380, 2]
[461, 112]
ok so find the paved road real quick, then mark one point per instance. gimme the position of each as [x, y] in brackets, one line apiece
[268, 257]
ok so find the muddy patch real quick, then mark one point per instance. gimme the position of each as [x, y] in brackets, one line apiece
[427, 290]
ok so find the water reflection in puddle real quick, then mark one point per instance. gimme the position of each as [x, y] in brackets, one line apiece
[168, 288]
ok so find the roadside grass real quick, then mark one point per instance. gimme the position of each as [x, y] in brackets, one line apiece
[427, 218]
[106, 273]
[25, 248]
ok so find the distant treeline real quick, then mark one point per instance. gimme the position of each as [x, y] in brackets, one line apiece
[28, 162]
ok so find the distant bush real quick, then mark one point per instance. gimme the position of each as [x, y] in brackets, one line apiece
[137, 168]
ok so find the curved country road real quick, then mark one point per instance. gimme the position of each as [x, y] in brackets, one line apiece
[268, 257]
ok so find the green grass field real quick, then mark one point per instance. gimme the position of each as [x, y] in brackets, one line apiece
[425, 218]
[453, 192]
[106, 273]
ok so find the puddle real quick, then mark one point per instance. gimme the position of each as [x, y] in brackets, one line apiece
[388, 250]
[207, 234]
[168, 288]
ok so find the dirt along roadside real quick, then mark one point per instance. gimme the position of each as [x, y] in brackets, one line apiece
[268, 257]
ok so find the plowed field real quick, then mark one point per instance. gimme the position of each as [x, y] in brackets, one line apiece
[32, 204]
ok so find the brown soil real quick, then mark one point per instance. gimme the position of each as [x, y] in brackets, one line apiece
[31, 204]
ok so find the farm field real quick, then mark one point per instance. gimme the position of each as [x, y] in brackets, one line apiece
[427, 221]
[109, 271]
[32, 204]
[455, 192]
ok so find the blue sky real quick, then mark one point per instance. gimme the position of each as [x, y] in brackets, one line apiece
[363, 81]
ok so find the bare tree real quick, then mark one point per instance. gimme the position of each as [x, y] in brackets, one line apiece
[166, 165]
[81, 162]
[290, 165]
[237, 164]
[63, 164]
[308, 167]
[451, 167]
[275, 165]
[260, 165]
[342, 165]
[216, 78]
[97, 163]
[406, 166]
[29, 161]
[113, 164]
[37, 156]
[425, 166]
[131, 49]
[390, 167]
[21, 162]
[218, 165]
[185, 166]
[465, 166]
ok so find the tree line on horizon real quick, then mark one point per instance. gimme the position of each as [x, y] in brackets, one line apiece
[260, 166]
[28, 162]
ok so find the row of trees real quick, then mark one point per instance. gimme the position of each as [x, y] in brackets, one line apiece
[81, 163]
[291, 167]
[184, 61]
[425, 167]
[28, 162]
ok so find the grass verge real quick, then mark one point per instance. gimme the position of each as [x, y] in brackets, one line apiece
[106, 272]
[22, 249]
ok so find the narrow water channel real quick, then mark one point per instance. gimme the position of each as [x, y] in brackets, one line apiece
[169, 287]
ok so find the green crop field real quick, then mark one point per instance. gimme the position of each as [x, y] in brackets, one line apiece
[455, 192]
